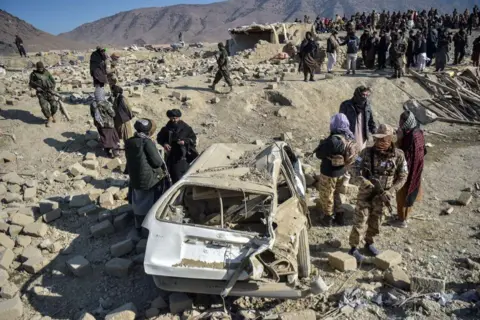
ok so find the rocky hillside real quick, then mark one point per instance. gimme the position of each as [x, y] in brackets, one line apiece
[34, 39]
[210, 22]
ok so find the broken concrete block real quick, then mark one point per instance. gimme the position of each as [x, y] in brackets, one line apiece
[215, 100]
[13, 178]
[287, 136]
[88, 209]
[126, 312]
[23, 241]
[106, 200]
[177, 95]
[36, 229]
[121, 248]
[86, 316]
[34, 265]
[30, 252]
[7, 157]
[52, 215]
[465, 198]
[6, 258]
[122, 194]
[139, 258]
[388, 259]
[79, 201]
[55, 247]
[90, 156]
[342, 261]
[3, 227]
[179, 302]
[14, 230]
[47, 206]
[141, 246]
[297, 315]
[151, 313]
[76, 169]
[11, 309]
[118, 267]
[114, 163]
[29, 194]
[21, 219]
[101, 229]
[159, 303]
[79, 266]
[6, 241]
[122, 221]
[398, 278]
[14, 188]
[3, 189]
[12, 197]
[60, 176]
[4, 276]
[91, 164]
[79, 185]
[105, 215]
[427, 285]
[90, 175]
[8, 291]
[272, 86]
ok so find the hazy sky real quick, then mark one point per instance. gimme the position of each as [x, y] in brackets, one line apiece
[56, 16]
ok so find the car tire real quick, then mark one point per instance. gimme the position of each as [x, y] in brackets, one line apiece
[303, 257]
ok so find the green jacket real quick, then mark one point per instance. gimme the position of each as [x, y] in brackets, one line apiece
[222, 59]
[43, 80]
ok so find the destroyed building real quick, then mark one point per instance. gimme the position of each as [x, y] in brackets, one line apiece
[247, 37]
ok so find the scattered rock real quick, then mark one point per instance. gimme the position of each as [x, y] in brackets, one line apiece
[6, 258]
[52, 215]
[296, 315]
[13, 178]
[387, 259]
[126, 312]
[118, 267]
[34, 264]
[29, 194]
[29, 252]
[121, 248]
[12, 197]
[91, 165]
[114, 163]
[465, 198]
[179, 302]
[6, 241]
[398, 278]
[86, 316]
[427, 285]
[151, 313]
[79, 266]
[106, 200]
[342, 261]
[159, 303]
[215, 100]
[11, 309]
[79, 201]
[76, 169]
[101, 229]
[36, 229]
[9, 290]
[47, 206]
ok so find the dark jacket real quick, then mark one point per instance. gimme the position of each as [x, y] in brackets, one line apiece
[383, 43]
[332, 44]
[123, 113]
[348, 108]
[42, 80]
[333, 145]
[143, 163]
[98, 67]
[352, 43]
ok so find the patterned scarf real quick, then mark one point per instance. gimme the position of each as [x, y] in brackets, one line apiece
[410, 123]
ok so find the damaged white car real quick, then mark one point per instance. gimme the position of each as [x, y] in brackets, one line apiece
[236, 224]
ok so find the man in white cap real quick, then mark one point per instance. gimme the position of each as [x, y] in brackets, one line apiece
[383, 171]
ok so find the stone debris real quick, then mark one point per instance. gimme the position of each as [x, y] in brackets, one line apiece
[11, 309]
[342, 261]
[52, 215]
[23, 241]
[76, 169]
[79, 266]
[387, 259]
[6, 258]
[297, 315]
[14, 230]
[151, 313]
[3, 277]
[6, 242]
[427, 285]
[91, 165]
[126, 312]
[60, 176]
[118, 267]
[34, 264]
[114, 163]
[121, 248]
[106, 200]
[13, 178]
[29, 194]
[47, 206]
[88, 209]
[86, 316]
[179, 302]
[12, 197]
[122, 221]
[79, 201]
[90, 156]
[8, 291]
[465, 198]
[30, 252]
[105, 215]
[159, 303]
[398, 278]
[36, 229]
[101, 229]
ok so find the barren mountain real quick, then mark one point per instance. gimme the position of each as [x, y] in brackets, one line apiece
[210, 22]
[33, 39]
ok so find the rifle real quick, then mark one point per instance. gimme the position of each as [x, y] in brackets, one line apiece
[63, 110]
[378, 190]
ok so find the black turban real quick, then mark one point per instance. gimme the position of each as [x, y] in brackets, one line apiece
[174, 113]
[39, 65]
[143, 125]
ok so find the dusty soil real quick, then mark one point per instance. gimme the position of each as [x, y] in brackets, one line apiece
[432, 245]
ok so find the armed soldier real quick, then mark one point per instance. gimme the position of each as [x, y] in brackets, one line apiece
[222, 72]
[42, 81]
[382, 170]
[398, 50]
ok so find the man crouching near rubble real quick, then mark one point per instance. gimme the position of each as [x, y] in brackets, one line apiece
[382, 171]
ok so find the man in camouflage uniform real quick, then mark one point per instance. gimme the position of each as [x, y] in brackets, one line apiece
[222, 72]
[42, 81]
[398, 50]
[382, 170]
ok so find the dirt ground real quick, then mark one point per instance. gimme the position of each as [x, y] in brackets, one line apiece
[432, 245]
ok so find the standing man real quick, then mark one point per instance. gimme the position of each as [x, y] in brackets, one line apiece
[179, 142]
[421, 51]
[432, 38]
[441, 56]
[360, 116]
[411, 141]
[332, 46]
[42, 81]
[103, 115]
[20, 47]
[222, 72]
[352, 42]
[98, 71]
[123, 114]
[383, 171]
[476, 52]
[460, 41]
[364, 44]
[383, 46]
[308, 49]
[411, 45]
[399, 47]
[337, 152]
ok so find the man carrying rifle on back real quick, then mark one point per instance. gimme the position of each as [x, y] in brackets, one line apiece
[383, 171]
[222, 72]
[42, 81]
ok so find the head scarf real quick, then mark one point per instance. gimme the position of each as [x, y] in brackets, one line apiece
[339, 124]
[383, 144]
[358, 97]
[408, 121]
[174, 113]
[40, 65]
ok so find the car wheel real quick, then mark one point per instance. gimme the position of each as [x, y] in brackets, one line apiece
[303, 257]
